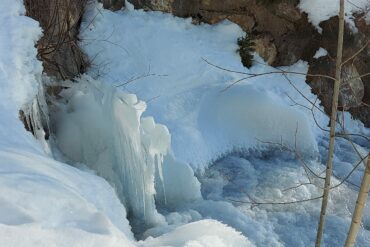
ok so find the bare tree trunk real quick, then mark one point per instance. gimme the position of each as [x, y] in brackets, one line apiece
[360, 204]
[333, 120]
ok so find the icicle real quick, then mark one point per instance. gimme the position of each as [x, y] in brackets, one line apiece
[37, 118]
[159, 163]
[103, 128]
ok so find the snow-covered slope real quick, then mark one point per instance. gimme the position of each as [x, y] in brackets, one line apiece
[19, 73]
[185, 93]
[161, 59]
[43, 202]
[147, 167]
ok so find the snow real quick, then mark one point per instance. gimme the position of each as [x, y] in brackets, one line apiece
[319, 11]
[47, 203]
[183, 91]
[137, 160]
[19, 73]
[267, 177]
[123, 148]
[44, 202]
[221, 133]
[18, 36]
[206, 233]
[320, 53]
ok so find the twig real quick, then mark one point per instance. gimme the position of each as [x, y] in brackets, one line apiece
[254, 202]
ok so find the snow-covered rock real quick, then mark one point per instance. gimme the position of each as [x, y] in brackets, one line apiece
[319, 11]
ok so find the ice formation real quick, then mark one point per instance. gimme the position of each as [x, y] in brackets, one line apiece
[103, 128]
[44, 202]
[207, 123]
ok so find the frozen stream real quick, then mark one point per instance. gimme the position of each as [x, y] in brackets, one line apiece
[218, 135]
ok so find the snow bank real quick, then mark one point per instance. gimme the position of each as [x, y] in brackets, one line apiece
[243, 114]
[165, 67]
[160, 58]
[43, 202]
[319, 10]
[20, 71]
[205, 233]
[47, 203]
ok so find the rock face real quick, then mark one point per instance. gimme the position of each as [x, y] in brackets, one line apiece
[265, 47]
[354, 90]
[283, 35]
[113, 4]
[58, 49]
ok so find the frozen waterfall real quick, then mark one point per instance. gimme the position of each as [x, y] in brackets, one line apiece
[102, 128]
